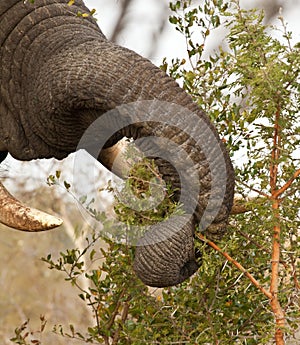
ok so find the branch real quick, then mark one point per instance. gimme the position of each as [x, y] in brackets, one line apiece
[115, 312]
[123, 319]
[286, 185]
[274, 284]
[236, 264]
[267, 196]
[260, 246]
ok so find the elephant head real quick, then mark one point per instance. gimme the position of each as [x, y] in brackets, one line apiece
[64, 86]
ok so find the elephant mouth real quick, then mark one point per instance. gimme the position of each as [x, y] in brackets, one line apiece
[188, 269]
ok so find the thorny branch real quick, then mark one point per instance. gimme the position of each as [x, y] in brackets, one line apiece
[237, 264]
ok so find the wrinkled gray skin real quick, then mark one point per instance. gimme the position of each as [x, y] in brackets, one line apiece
[58, 74]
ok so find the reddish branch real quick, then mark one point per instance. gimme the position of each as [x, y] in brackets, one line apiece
[281, 190]
[274, 285]
[235, 263]
[241, 207]
[275, 304]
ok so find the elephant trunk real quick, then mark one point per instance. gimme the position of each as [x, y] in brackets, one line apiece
[150, 108]
[73, 89]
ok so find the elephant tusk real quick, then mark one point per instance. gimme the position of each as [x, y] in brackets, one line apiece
[18, 216]
[120, 158]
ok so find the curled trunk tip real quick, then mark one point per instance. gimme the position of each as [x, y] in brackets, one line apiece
[165, 255]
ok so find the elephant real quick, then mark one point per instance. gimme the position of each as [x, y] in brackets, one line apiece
[59, 75]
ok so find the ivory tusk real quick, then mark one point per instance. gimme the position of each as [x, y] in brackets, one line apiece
[119, 159]
[18, 216]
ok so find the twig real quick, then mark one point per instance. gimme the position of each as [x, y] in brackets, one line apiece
[260, 246]
[123, 319]
[115, 311]
[254, 189]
